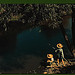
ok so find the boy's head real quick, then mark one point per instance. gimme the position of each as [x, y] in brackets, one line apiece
[59, 45]
[49, 56]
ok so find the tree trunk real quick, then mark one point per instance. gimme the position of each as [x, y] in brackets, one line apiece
[73, 26]
[66, 39]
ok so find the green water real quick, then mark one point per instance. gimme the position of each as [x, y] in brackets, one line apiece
[23, 52]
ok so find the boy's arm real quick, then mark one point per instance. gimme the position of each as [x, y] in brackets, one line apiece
[62, 54]
[56, 50]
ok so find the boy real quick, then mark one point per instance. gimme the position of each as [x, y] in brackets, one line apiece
[60, 54]
[50, 59]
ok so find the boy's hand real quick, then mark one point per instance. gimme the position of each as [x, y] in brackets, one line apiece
[48, 61]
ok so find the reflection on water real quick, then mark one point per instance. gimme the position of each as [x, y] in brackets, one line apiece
[24, 52]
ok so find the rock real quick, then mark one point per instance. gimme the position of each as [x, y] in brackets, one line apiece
[50, 71]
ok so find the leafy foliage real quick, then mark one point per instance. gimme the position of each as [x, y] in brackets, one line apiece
[34, 13]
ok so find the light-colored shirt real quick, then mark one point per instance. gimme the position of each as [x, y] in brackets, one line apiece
[61, 50]
[52, 59]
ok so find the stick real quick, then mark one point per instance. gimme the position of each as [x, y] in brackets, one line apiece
[67, 61]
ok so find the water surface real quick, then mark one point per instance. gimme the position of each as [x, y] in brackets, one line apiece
[22, 53]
